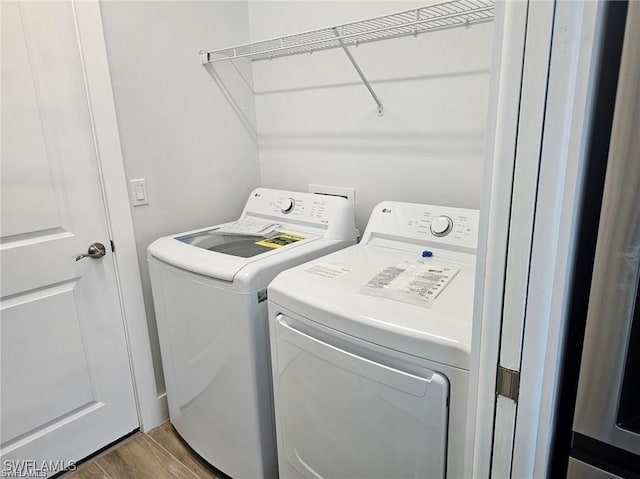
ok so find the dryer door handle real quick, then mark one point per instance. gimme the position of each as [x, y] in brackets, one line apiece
[294, 333]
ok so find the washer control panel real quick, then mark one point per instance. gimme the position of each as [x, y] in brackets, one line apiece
[442, 225]
[305, 207]
[291, 206]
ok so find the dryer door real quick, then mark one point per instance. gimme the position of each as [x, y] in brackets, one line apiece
[341, 414]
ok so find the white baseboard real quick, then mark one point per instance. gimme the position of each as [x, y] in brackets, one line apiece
[156, 414]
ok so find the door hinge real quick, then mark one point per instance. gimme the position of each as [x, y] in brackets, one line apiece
[113, 246]
[508, 383]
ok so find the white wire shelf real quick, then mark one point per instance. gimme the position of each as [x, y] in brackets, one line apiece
[430, 18]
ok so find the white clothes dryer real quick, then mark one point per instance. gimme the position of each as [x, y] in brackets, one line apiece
[370, 350]
[210, 297]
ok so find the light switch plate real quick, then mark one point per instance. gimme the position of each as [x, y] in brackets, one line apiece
[138, 192]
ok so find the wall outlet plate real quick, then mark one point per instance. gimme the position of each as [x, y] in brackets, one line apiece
[348, 193]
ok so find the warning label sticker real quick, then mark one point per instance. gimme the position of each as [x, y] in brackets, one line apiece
[327, 270]
[280, 240]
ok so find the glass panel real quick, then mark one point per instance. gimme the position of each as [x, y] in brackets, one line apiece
[243, 246]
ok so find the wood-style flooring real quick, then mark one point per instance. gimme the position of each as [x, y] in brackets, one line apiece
[157, 455]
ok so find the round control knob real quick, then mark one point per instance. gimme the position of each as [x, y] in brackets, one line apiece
[441, 226]
[288, 205]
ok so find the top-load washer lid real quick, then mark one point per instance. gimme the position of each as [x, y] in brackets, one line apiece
[335, 290]
[223, 256]
[298, 220]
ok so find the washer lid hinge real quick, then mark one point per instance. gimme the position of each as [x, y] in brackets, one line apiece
[508, 383]
[262, 295]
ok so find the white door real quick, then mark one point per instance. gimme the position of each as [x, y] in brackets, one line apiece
[66, 381]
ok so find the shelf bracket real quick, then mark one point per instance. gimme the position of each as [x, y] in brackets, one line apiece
[204, 56]
[362, 77]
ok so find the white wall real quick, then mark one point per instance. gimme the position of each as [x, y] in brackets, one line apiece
[193, 140]
[318, 124]
[193, 132]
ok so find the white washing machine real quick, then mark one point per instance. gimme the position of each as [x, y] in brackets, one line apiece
[209, 291]
[370, 350]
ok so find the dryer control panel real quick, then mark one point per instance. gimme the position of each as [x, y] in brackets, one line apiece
[441, 225]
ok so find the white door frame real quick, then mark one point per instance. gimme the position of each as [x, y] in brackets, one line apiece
[577, 36]
[152, 408]
[502, 127]
[523, 202]
[537, 133]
